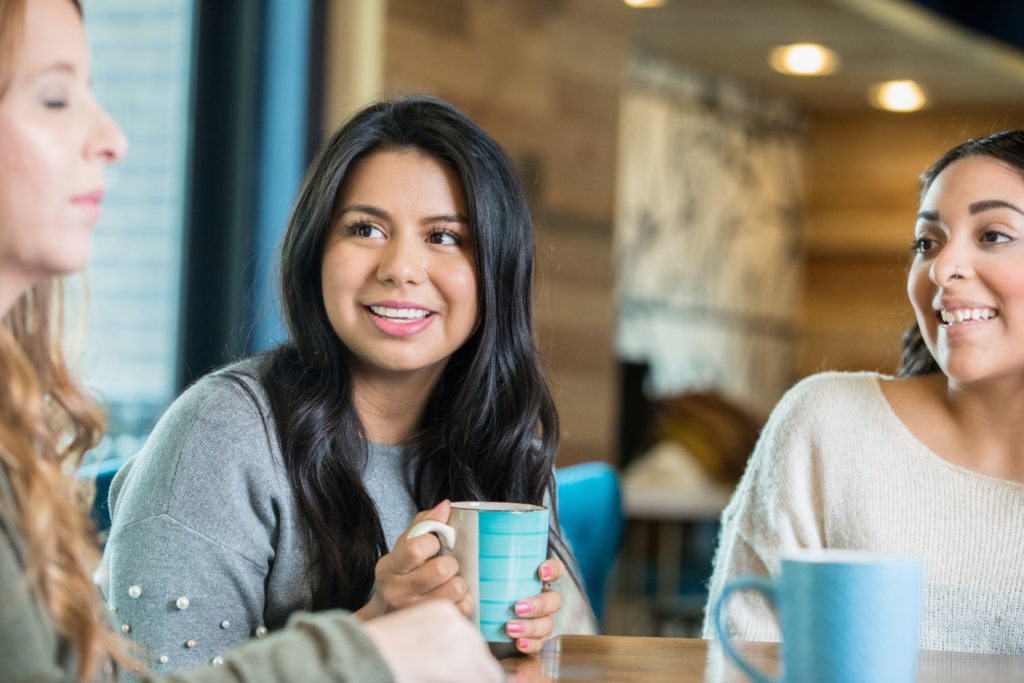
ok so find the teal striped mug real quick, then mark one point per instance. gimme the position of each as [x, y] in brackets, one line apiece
[499, 547]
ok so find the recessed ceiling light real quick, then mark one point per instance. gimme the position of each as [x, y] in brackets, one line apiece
[901, 96]
[644, 4]
[803, 59]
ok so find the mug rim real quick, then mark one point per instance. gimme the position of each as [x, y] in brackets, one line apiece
[847, 556]
[496, 506]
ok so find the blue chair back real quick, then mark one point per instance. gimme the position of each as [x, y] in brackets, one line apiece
[103, 472]
[590, 514]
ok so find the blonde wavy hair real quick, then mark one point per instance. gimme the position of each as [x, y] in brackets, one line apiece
[47, 422]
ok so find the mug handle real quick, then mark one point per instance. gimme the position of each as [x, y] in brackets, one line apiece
[757, 583]
[445, 533]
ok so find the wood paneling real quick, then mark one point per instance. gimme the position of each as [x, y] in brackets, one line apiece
[543, 77]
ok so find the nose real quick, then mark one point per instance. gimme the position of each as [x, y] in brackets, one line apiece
[106, 139]
[401, 261]
[952, 263]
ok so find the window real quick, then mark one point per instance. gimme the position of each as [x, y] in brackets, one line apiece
[142, 66]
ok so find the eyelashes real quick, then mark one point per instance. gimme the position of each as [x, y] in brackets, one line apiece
[437, 235]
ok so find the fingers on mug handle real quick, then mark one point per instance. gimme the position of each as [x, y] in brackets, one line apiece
[757, 583]
[444, 533]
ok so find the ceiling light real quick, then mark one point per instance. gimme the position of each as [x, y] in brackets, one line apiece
[644, 4]
[899, 96]
[803, 59]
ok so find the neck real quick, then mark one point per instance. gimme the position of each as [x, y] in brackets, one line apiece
[390, 405]
[988, 419]
[12, 286]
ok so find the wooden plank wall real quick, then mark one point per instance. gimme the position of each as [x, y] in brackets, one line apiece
[863, 171]
[543, 77]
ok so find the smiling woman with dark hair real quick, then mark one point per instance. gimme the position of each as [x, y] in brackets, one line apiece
[410, 379]
[929, 463]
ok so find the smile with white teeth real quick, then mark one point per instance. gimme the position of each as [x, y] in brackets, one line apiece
[402, 315]
[963, 315]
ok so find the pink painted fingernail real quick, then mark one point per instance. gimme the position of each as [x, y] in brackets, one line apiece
[514, 628]
[523, 607]
[523, 644]
[546, 571]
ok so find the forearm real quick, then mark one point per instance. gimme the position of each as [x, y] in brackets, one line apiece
[329, 646]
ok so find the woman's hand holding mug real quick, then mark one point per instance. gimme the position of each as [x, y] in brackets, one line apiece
[414, 571]
[501, 550]
[535, 616]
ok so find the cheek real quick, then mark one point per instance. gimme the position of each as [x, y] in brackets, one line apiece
[1011, 286]
[920, 291]
[462, 283]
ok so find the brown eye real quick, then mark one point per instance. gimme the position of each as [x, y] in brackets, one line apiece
[994, 237]
[922, 245]
[445, 237]
[364, 229]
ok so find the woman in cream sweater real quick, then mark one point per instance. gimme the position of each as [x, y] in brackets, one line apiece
[929, 463]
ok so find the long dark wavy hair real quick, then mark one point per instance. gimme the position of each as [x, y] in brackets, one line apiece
[1006, 147]
[490, 428]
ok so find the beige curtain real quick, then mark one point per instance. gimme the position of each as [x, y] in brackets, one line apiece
[708, 215]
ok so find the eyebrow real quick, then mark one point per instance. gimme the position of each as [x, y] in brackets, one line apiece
[61, 67]
[380, 213]
[974, 209]
[978, 207]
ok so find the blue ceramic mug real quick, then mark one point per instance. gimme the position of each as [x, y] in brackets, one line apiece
[846, 617]
[499, 547]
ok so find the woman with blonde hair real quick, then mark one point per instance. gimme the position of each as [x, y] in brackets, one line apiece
[56, 143]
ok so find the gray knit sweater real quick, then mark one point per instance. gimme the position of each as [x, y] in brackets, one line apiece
[315, 648]
[208, 546]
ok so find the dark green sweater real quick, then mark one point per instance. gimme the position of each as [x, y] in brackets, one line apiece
[329, 646]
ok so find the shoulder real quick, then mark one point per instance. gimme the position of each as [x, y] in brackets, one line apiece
[833, 387]
[827, 395]
[227, 397]
[216, 440]
[817, 413]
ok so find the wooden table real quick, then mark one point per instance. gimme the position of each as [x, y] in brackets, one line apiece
[684, 660]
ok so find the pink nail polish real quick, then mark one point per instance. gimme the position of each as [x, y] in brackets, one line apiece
[514, 627]
[523, 607]
[546, 571]
[523, 644]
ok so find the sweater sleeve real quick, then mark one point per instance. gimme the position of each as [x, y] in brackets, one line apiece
[194, 531]
[28, 646]
[777, 507]
[328, 646]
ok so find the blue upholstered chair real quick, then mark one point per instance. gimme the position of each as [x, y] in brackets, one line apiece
[103, 472]
[590, 512]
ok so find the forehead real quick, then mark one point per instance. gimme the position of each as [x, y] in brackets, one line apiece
[52, 37]
[404, 174]
[975, 178]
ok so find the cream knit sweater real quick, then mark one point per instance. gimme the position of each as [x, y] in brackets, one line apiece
[835, 468]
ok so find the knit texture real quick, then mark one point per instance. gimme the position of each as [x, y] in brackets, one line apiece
[330, 646]
[836, 468]
[205, 512]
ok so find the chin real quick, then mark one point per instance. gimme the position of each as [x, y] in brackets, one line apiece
[71, 261]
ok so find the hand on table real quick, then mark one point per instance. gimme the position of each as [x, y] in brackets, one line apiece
[413, 572]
